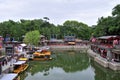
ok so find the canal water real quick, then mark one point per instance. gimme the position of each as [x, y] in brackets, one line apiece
[68, 65]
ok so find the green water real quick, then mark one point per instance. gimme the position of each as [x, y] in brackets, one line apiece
[69, 65]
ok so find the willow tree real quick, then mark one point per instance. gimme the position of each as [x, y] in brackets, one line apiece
[32, 38]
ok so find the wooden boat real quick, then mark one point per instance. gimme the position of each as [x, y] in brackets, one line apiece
[10, 76]
[20, 66]
[42, 55]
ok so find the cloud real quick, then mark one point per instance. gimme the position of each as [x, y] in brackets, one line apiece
[87, 11]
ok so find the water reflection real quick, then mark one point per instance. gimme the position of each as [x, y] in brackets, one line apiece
[70, 65]
[103, 73]
[60, 74]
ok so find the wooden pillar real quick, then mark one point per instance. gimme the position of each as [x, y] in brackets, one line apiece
[109, 54]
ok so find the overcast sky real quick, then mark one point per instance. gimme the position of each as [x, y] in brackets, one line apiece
[58, 11]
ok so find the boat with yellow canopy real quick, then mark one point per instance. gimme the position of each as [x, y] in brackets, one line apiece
[20, 66]
[42, 55]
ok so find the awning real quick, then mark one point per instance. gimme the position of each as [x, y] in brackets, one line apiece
[23, 59]
[19, 62]
[105, 37]
[23, 44]
[10, 76]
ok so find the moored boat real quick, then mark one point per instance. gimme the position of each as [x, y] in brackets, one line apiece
[20, 66]
[42, 55]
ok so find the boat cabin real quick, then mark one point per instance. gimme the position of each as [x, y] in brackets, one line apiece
[20, 66]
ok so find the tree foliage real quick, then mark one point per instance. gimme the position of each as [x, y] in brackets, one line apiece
[116, 11]
[109, 25]
[105, 26]
[80, 29]
[32, 37]
[20, 28]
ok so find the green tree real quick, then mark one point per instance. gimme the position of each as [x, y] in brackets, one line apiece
[20, 28]
[80, 29]
[109, 25]
[32, 37]
[116, 11]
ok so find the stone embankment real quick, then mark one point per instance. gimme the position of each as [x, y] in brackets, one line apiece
[104, 62]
